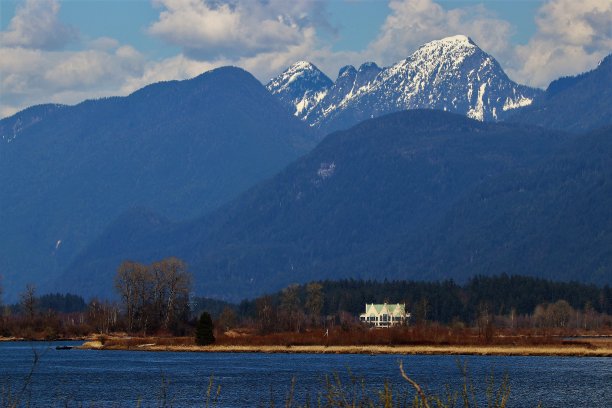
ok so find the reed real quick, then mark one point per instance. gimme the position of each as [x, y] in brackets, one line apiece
[22, 395]
[335, 393]
[357, 394]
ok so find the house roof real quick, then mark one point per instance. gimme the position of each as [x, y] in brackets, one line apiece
[392, 308]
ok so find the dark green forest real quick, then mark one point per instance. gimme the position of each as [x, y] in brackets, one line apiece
[155, 299]
[446, 301]
[352, 208]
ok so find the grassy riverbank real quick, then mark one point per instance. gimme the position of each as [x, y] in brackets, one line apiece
[591, 347]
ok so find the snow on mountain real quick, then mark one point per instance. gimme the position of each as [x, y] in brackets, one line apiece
[301, 87]
[12, 126]
[452, 74]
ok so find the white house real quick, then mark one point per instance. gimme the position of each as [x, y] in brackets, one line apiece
[384, 315]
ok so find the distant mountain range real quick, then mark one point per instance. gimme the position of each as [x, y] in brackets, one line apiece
[180, 148]
[220, 171]
[551, 219]
[576, 104]
[353, 207]
[452, 74]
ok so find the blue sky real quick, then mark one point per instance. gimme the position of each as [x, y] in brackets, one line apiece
[68, 51]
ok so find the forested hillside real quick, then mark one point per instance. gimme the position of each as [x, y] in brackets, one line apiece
[552, 219]
[580, 103]
[179, 148]
[333, 213]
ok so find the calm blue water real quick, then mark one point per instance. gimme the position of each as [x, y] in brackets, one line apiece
[124, 378]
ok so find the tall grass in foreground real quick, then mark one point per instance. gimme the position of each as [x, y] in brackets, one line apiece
[21, 395]
[356, 393]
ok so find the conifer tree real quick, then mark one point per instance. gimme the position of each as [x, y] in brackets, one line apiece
[204, 330]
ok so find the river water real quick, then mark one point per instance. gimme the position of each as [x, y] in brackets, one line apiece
[132, 378]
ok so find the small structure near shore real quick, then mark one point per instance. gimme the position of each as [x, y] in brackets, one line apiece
[384, 315]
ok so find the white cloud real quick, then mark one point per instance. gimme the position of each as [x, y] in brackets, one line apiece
[103, 43]
[92, 68]
[263, 37]
[29, 77]
[35, 25]
[572, 37]
[266, 36]
[173, 68]
[415, 22]
[263, 65]
[234, 29]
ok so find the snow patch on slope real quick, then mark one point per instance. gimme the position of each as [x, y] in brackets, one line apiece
[477, 112]
[517, 103]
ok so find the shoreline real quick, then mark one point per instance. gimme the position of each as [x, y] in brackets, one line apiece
[594, 348]
[553, 351]
[20, 339]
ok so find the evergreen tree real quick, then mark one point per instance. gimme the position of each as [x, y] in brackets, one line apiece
[204, 331]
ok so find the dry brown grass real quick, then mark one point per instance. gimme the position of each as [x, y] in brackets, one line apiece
[92, 345]
[408, 336]
[11, 338]
[563, 350]
[435, 340]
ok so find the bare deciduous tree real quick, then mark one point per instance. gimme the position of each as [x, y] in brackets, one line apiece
[227, 318]
[290, 307]
[28, 301]
[178, 282]
[126, 286]
[102, 315]
[154, 296]
[559, 313]
[314, 302]
[265, 313]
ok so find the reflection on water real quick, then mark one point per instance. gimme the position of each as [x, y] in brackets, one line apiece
[126, 378]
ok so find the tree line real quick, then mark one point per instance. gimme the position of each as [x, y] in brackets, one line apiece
[155, 299]
[523, 300]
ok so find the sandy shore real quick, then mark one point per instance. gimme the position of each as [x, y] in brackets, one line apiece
[569, 350]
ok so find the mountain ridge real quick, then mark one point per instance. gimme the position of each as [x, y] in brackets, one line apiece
[333, 212]
[451, 74]
[554, 217]
[180, 148]
[578, 104]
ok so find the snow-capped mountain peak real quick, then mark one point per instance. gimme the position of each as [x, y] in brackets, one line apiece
[300, 87]
[451, 74]
[346, 71]
[450, 49]
[368, 65]
[454, 39]
[298, 70]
